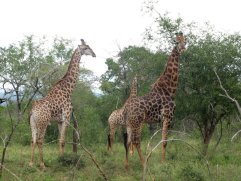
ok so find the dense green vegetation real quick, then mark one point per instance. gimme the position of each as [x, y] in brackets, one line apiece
[204, 120]
[183, 162]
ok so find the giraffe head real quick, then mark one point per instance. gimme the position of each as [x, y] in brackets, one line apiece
[180, 42]
[85, 49]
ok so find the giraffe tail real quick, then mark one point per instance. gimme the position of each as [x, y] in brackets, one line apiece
[33, 127]
[29, 117]
[125, 136]
[109, 142]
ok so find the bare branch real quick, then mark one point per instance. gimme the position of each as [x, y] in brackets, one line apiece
[230, 98]
[226, 93]
[3, 167]
[90, 155]
[34, 93]
[235, 135]
[8, 139]
[4, 140]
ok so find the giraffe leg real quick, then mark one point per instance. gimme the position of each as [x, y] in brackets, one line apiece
[126, 148]
[32, 153]
[111, 136]
[33, 127]
[131, 148]
[40, 140]
[61, 142]
[130, 145]
[126, 156]
[135, 141]
[62, 138]
[164, 137]
[40, 147]
[65, 122]
[138, 147]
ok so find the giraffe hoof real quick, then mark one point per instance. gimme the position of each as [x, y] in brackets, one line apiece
[126, 166]
[42, 166]
[131, 152]
[30, 164]
[162, 161]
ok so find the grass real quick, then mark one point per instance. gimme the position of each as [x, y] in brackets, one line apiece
[183, 163]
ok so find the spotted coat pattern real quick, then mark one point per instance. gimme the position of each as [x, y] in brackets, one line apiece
[158, 104]
[56, 105]
[117, 117]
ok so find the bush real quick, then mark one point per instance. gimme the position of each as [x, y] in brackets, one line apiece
[71, 160]
[189, 173]
[26, 139]
[91, 127]
[52, 133]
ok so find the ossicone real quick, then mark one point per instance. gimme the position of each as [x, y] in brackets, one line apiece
[82, 41]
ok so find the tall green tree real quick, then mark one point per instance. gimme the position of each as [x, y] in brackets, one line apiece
[28, 68]
[200, 86]
[207, 49]
[132, 61]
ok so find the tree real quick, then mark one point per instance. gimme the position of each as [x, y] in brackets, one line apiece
[198, 94]
[27, 67]
[24, 69]
[199, 85]
[130, 62]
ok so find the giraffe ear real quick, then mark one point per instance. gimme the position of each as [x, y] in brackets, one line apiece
[83, 42]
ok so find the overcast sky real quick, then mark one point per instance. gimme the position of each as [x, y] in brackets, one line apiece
[105, 24]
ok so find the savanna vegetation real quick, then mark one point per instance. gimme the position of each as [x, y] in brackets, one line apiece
[204, 140]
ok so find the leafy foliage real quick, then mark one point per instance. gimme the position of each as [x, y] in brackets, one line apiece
[71, 160]
[199, 92]
[28, 69]
[132, 61]
[188, 173]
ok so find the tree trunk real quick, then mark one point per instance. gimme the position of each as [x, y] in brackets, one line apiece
[206, 142]
[208, 133]
[75, 134]
[8, 140]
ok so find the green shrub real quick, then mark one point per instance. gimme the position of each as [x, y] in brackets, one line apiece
[52, 133]
[190, 174]
[91, 127]
[25, 139]
[71, 160]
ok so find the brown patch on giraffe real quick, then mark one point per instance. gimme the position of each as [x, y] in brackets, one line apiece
[117, 117]
[144, 109]
[56, 105]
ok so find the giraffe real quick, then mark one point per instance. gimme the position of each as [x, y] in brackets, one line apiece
[117, 118]
[158, 104]
[56, 105]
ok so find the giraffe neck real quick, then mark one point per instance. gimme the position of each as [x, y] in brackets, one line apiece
[169, 78]
[69, 80]
[133, 92]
